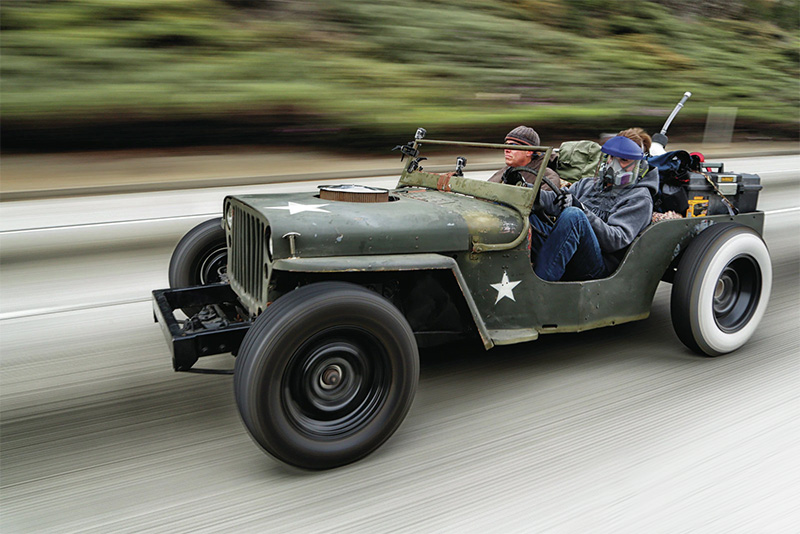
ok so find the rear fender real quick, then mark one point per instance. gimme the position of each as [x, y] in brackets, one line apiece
[681, 232]
[651, 258]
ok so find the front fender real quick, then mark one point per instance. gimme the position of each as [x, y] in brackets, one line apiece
[390, 263]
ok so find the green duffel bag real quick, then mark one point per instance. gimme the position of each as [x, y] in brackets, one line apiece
[577, 159]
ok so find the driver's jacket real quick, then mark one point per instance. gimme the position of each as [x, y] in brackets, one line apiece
[616, 215]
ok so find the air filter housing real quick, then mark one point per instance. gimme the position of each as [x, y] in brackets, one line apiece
[353, 193]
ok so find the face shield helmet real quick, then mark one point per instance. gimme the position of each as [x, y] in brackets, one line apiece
[616, 172]
[623, 164]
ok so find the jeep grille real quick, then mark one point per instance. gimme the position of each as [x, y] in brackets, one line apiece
[249, 263]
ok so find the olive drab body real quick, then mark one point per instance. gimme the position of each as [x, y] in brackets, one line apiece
[472, 230]
[325, 297]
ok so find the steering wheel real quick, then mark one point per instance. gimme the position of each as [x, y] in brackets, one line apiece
[513, 176]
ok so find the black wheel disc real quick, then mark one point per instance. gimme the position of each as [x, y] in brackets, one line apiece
[214, 267]
[736, 293]
[336, 382]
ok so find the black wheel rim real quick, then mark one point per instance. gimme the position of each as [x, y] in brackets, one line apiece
[736, 294]
[214, 267]
[336, 382]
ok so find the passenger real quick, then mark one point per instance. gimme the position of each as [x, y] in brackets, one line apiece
[597, 218]
[646, 142]
[641, 138]
[644, 138]
[531, 160]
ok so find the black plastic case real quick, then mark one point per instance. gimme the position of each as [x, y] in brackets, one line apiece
[740, 189]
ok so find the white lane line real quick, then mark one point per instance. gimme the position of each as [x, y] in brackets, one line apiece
[36, 312]
[202, 215]
[112, 223]
[197, 216]
[781, 211]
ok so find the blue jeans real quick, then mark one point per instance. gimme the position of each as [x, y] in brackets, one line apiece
[568, 250]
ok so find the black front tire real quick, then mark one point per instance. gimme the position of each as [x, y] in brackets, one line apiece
[721, 289]
[200, 258]
[326, 375]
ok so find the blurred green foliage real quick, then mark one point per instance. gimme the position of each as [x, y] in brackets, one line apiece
[469, 66]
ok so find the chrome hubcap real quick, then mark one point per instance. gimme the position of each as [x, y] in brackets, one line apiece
[331, 377]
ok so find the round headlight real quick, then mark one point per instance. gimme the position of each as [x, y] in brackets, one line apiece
[229, 217]
[270, 249]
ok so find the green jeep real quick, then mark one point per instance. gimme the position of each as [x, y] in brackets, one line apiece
[324, 297]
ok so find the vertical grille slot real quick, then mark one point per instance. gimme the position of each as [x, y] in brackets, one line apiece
[248, 243]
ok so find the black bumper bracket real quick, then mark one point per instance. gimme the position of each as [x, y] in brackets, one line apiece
[218, 328]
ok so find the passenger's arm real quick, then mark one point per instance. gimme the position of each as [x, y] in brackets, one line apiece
[547, 199]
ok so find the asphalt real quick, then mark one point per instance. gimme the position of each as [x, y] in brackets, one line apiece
[38, 176]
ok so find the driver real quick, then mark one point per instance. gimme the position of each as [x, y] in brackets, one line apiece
[597, 217]
[527, 136]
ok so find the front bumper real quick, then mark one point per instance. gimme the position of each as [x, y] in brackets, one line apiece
[217, 329]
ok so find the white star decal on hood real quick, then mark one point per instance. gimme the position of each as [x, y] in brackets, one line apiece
[505, 288]
[293, 208]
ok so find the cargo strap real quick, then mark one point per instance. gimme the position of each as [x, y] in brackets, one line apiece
[732, 210]
[443, 183]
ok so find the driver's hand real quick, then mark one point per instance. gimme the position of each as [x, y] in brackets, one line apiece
[566, 200]
[512, 176]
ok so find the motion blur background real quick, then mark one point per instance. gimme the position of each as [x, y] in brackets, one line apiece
[98, 74]
[124, 124]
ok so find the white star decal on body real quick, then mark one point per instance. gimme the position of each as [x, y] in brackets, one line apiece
[505, 288]
[294, 207]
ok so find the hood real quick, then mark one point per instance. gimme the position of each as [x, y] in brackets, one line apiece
[413, 221]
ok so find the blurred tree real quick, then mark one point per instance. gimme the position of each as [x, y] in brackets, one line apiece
[258, 70]
[251, 3]
[786, 14]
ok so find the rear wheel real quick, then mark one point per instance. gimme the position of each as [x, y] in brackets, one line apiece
[326, 375]
[721, 289]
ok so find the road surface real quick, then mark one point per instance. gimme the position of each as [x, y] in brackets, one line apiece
[615, 430]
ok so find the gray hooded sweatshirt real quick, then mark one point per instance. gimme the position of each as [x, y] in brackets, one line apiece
[616, 215]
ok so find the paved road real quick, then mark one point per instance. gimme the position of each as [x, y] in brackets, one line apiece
[615, 430]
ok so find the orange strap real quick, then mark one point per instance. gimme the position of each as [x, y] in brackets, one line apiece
[443, 184]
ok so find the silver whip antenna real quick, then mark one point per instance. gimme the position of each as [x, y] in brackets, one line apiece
[675, 111]
[660, 139]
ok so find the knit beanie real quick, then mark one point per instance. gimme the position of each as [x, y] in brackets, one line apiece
[523, 135]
